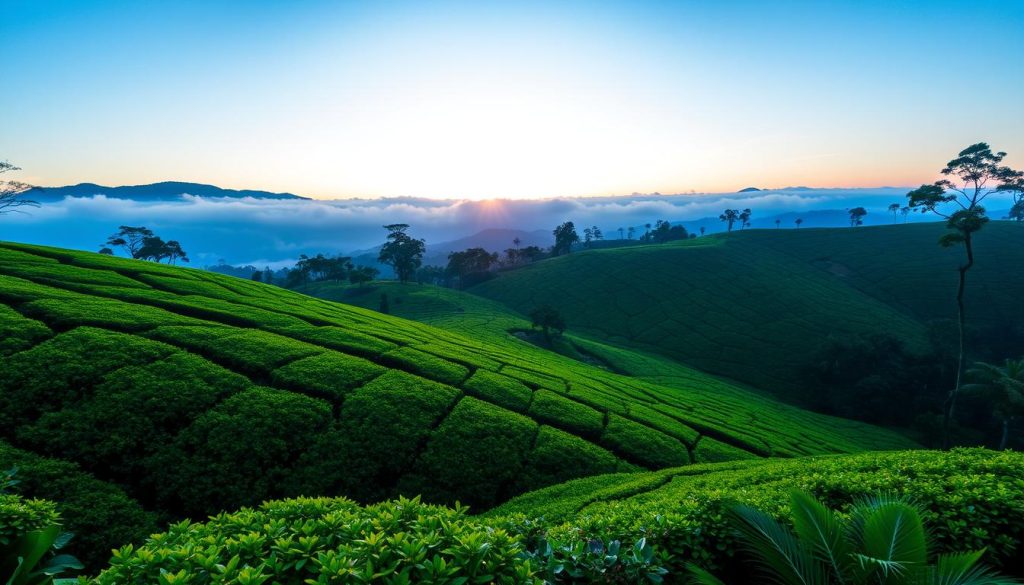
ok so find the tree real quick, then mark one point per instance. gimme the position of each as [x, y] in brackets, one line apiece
[565, 237]
[547, 318]
[106, 251]
[402, 252]
[516, 241]
[130, 238]
[596, 232]
[778, 223]
[894, 208]
[798, 221]
[588, 234]
[665, 232]
[268, 275]
[1013, 183]
[729, 216]
[647, 230]
[631, 232]
[12, 193]
[360, 275]
[905, 212]
[702, 230]
[257, 276]
[174, 252]
[620, 233]
[470, 265]
[975, 174]
[882, 539]
[857, 216]
[1004, 388]
[744, 218]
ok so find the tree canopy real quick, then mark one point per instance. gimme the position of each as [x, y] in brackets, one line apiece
[402, 252]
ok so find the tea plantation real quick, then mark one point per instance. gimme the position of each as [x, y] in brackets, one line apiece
[620, 528]
[752, 305]
[185, 393]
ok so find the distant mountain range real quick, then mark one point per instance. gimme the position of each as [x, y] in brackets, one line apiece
[165, 191]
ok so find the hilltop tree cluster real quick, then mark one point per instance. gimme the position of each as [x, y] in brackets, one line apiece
[13, 194]
[142, 244]
[322, 268]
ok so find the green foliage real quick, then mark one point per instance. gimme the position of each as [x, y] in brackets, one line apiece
[321, 541]
[591, 561]
[558, 456]
[378, 437]
[639, 443]
[972, 499]
[559, 411]
[882, 540]
[252, 352]
[132, 413]
[426, 365]
[498, 389]
[17, 332]
[240, 452]
[474, 456]
[30, 537]
[101, 515]
[330, 375]
[57, 371]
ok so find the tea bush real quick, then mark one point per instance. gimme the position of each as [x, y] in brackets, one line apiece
[566, 414]
[17, 332]
[426, 365]
[321, 541]
[498, 389]
[645, 445]
[330, 375]
[973, 499]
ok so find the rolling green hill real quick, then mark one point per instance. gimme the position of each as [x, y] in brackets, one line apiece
[753, 305]
[196, 392]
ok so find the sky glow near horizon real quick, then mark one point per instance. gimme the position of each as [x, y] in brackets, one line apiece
[512, 100]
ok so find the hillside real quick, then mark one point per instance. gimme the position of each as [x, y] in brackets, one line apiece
[197, 392]
[753, 305]
[165, 191]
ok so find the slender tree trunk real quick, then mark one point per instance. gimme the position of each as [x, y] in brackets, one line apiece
[1006, 434]
[961, 324]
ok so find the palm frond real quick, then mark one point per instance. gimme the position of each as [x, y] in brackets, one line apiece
[818, 526]
[777, 550]
[964, 569]
[698, 576]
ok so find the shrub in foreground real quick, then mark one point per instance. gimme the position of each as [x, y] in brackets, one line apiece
[320, 541]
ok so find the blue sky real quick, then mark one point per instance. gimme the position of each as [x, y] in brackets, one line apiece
[486, 99]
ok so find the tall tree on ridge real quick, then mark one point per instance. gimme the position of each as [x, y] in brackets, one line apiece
[729, 216]
[894, 208]
[565, 237]
[972, 176]
[402, 252]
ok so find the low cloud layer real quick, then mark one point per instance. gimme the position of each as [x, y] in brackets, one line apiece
[275, 231]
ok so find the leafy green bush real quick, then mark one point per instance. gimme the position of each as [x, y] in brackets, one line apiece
[379, 434]
[239, 453]
[711, 451]
[131, 414]
[474, 456]
[498, 389]
[566, 414]
[17, 332]
[100, 312]
[642, 444]
[321, 541]
[426, 365]
[330, 375]
[972, 499]
[100, 514]
[249, 351]
[344, 340]
[61, 370]
[558, 456]
[30, 536]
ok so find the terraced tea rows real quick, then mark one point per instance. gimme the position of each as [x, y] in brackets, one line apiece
[198, 392]
[754, 305]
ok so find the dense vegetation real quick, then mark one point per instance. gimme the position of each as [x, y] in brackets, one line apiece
[620, 528]
[195, 393]
[972, 499]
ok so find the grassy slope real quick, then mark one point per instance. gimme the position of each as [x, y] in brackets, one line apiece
[159, 377]
[752, 305]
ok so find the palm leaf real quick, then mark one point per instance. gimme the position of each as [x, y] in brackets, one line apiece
[817, 526]
[783, 558]
[698, 576]
[963, 569]
[891, 538]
